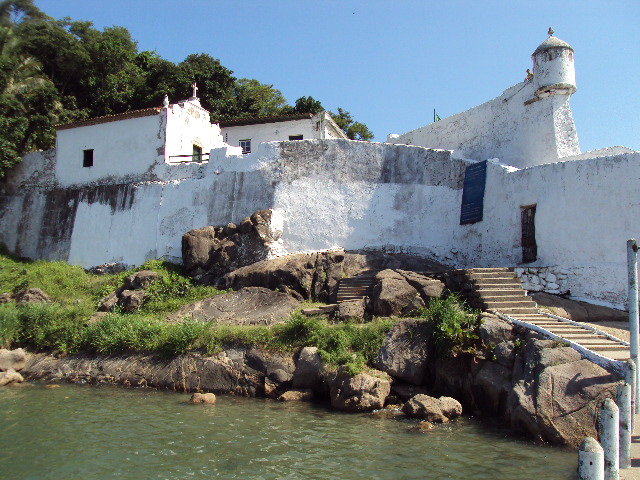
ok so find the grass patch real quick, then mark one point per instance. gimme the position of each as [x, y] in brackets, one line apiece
[454, 326]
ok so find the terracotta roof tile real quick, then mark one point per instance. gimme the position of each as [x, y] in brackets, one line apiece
[146, 112]
[257, 120]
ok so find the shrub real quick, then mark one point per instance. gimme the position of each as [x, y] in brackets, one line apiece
[9, 325]
[51, 326]
[454, 326]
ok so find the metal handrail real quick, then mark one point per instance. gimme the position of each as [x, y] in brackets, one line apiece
[198, 158]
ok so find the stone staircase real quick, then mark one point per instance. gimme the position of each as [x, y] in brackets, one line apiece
[357, 287]
[498, 290]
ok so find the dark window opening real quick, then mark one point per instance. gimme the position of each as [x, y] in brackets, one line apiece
[246, 145]
[529, 246]
[197, 153]
[295, 137]
[87, 158]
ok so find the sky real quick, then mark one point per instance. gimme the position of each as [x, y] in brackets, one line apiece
[391, 63]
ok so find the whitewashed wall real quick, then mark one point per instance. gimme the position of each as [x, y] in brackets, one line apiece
[317, 127]
[518, 134]
[189, 124]
[339, 193]
[121, 148]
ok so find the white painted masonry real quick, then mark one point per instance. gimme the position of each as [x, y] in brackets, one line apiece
[529, 124]
[261, 130]
[336, 193]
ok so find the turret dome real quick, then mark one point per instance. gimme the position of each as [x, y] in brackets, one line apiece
[550, 43]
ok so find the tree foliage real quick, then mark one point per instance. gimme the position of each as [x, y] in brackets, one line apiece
[353, 130]
[53, 71]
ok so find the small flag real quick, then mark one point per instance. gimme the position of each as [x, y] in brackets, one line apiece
[436, 117]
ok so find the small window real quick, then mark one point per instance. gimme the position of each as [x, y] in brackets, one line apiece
[197, 153]
[295, 137]
[87, 158]
[246, 145]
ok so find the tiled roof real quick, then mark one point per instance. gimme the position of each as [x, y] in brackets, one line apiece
[257, 120]
[146, 112]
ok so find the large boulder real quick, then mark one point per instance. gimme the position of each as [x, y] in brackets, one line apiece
[566, 397]
[405, 351]
[247, 306]
[12, 359]
[31, 295]
[578, 311]
[131, 300]
[494, 330]
[10, 376]
[210, 252]
[140, 280]
[427, 287]
[351, 309]
[309, 370]
[393, 295]
[362, 393]
[203, 399]
[431, 409]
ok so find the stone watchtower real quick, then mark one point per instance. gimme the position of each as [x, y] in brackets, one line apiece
[553, 69]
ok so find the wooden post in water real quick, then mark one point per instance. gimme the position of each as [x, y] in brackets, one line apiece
[590, 460]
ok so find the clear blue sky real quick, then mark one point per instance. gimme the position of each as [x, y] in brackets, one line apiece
[390, 63]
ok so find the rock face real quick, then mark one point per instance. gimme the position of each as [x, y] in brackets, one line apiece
[578, 311]
[11, 361]
[434, 410]
[203, 399]
[210, 252]
[31, 295]
[361, 393]
[239, 371]
[247, 306]
[393, 295]
[405, 351]
[131, 295]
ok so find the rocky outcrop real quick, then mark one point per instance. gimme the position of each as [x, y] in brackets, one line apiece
[203, 399]
[578, 311]
[11, 362]
[405, 351]
[210, 252]
[238, 371]
[31, 295]
[392, 295]
[132, 294]
[361, 393]
[433, 410]
[247, 306]
[296, 396]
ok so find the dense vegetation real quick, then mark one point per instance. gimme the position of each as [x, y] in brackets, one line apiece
[55, 71]
[66, 325]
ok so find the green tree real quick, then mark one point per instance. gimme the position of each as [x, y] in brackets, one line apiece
[29, 103]
[255, 99]
[353, 130]
[305, 105]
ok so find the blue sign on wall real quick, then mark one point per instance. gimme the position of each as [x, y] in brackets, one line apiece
[475, 177]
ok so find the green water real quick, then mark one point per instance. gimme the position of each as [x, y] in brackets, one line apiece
[82, 432]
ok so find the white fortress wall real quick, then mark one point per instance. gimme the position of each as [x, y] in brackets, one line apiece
[518, 133]
[347, 194]
[138, 147]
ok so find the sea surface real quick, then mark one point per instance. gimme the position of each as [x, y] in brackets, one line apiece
[86, 432]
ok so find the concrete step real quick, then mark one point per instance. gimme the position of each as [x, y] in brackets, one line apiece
[496, 282]
[514, 312]
[488, 270]
[612, 347]
[500, 305]
[506, 298]
[500, 292]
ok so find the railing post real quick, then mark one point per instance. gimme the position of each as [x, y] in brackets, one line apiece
[632, 306]
[609, 420]
[623, 400]
[630, 378]
[590, 460]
